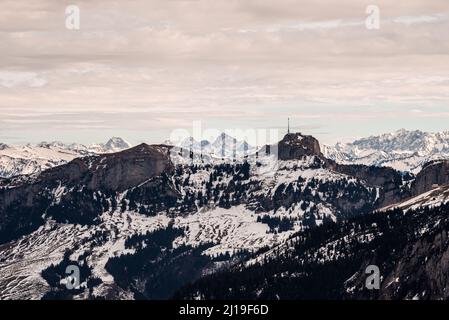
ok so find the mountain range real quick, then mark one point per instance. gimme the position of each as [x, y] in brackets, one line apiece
[286, 224]
[224, 146]
[33, 158]
[402, 150]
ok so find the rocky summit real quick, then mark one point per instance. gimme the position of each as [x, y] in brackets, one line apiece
[296, 146]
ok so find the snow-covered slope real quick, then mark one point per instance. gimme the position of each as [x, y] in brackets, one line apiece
[30, 159]
[34, 158]
[402, 150]
[435, 197]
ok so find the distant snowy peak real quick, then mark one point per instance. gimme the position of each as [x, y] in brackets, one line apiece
[224, 139]
[402, 150]
[34, 158]
[48, 145]
[223, 146]
[409, 141]
[117, 144]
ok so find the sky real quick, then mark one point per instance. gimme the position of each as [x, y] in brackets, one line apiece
[141, 69]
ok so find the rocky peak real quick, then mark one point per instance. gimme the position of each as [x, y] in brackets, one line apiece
[296, 145]
[224, 139]
[117, 144]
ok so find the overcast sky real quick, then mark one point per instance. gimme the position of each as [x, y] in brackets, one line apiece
[140, 69]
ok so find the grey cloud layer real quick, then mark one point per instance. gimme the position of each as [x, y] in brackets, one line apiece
[164, 63]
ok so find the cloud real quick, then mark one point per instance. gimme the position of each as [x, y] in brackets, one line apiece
[10, 79]
[161, 64]
[410, 20]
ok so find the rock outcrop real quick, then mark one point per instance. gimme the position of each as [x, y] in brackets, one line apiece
[295, 146]
[76, 191]
[116, 171]
[433, 174]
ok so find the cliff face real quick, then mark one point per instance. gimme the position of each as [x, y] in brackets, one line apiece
[295, 146]
[68, 191]
[389, 181]
[423, 268]
[433, 173]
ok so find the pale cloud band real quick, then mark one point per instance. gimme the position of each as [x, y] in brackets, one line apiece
[143, 68]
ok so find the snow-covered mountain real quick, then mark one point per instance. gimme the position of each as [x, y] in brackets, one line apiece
[224, 146]
[402, 150]
[114, 144]
[139, 225]
[137, 203]
[34, 158]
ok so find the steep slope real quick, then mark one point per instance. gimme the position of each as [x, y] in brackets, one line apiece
[428, 188]
[410, 249]
[433, 174]
[77, 191]
[432, 198]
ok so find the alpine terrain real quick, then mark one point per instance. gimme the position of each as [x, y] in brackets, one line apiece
[402, 150]
[34, 158]
[227, 221]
